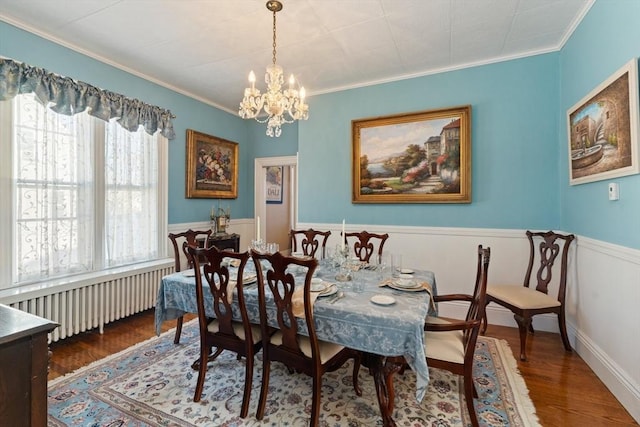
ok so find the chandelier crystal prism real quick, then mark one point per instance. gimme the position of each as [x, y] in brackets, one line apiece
[280, 106]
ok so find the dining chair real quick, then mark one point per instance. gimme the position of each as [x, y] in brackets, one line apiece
[450, 344]
[309, 241]
[299, 349]
[526, 301]
[190, 238]
[364, 244]
[222, 331]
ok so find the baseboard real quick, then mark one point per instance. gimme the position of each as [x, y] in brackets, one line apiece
[609, 373]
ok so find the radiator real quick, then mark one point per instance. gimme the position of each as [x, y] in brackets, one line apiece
[88, 303]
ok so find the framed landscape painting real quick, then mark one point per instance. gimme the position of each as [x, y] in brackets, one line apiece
[603, 129]
[422, 157]
[212, 167]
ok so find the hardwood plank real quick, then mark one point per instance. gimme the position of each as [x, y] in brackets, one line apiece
[563, 388]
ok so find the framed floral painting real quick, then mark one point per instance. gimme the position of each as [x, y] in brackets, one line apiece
[212, 167]
[422, 157]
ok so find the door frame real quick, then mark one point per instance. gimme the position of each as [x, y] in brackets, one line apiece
[260, 179]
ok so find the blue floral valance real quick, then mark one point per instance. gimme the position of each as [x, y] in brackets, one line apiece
[68, 96]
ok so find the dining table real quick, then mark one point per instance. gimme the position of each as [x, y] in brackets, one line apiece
[368, 312]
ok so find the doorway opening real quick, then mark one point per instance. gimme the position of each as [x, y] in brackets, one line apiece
[277, 212]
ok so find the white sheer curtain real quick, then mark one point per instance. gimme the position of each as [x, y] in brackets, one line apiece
[131, 196]
[53, 192]
[80, 194]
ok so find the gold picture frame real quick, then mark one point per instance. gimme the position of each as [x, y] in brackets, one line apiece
[602, 129]
[421, 157]
[212, 167]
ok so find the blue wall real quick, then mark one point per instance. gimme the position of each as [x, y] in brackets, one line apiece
[191, 114]
[519, 137]
[514, 147]
[607, 38]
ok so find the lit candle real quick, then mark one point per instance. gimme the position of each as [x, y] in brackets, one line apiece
[252, 79]
[258, 228]
[344, 237]
[292, 81]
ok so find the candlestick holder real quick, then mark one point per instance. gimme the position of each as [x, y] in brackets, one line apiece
[258, 245]
[342, 261]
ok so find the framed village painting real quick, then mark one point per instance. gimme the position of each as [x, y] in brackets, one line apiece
[603, 129]
[421, 157]
[212, 167]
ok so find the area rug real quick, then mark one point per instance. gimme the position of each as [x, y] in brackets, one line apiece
[152, 384]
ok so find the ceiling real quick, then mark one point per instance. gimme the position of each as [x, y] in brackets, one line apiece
[206, 48]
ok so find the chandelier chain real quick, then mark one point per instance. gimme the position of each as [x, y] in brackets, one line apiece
[274, 37]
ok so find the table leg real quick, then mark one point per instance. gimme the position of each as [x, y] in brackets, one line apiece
[382, 368]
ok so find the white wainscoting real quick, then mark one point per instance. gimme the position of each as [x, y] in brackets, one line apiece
[603, 288]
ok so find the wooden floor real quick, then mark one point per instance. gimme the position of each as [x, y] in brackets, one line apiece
[563, 388]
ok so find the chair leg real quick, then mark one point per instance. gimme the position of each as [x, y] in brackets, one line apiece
[523, 325]
[248, 379]
[315, 405]
[202, 372]
[264, 387]
[196, 365]
[356, 370]
[469, 389]
[563, 331]
[176, 339]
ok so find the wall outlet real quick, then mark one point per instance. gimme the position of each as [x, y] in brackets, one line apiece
[614, 192]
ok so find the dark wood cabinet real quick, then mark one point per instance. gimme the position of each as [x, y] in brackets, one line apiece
[24, 362]
[222, 241]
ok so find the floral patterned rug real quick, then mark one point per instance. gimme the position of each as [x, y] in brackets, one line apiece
[152, 384]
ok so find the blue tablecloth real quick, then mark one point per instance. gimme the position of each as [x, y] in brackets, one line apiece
[353, 321]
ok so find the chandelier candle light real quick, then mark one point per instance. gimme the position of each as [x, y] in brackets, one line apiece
[280, 106]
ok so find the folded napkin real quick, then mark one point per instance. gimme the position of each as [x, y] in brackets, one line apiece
[233, 282]
[297, 300]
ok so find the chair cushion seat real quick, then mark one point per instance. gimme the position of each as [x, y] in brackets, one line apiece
[256, 333]
[522, 297]
[444, 345]
[327, 349]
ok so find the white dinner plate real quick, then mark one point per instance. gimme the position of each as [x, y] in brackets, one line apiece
[383, 300]
[330, 290]
[406, 271]
[407, 284]
[246, 280]
[398, 288]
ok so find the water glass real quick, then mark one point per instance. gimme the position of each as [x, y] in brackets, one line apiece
[357, 285]
[396, 265]
[382, 264]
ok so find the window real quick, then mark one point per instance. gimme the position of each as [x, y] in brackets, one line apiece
[85, 194]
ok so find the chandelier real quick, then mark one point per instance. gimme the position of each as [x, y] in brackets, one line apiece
[280, 106]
